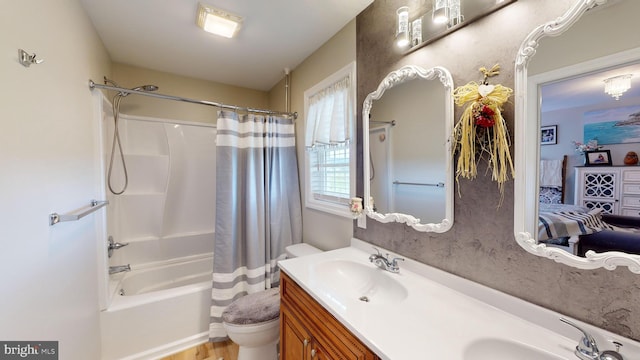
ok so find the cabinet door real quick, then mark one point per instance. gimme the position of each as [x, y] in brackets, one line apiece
[302, 318]
[600, 184]
[295, 341]
[319, 353]
[598, 188]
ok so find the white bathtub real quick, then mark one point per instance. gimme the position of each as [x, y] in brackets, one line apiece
[164, 309]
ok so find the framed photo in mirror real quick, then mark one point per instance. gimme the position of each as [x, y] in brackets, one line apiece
[549, 135]
[597, 158]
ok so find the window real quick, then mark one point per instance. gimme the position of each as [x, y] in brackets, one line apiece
[330, 153]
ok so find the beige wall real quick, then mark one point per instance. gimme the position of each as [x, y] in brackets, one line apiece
[169, 84]
[48, 152]
[323, 230]
[481, 245]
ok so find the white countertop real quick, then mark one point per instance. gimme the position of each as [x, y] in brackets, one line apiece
[436, 321]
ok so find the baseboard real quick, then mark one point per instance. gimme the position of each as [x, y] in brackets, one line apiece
[170, 348]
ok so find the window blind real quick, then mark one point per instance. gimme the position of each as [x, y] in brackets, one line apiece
[329, 174]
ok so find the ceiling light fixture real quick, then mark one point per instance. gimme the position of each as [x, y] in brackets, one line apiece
[217, 21]
[617, 85]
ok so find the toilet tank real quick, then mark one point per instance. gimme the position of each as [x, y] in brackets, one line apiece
[302, 249]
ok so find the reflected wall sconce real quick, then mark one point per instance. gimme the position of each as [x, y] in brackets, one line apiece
[402, 28]
[416, 32]
[617, 85]
[441, 11]
[455, 13]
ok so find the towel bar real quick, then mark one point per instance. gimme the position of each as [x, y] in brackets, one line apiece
[396, 182]
[55, 218]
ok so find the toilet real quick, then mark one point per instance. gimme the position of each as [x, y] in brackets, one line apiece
[253, 321]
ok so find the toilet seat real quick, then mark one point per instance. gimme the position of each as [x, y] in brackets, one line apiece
[253, 322]
[255, 308]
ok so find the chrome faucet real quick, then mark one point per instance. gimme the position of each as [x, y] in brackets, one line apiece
[587, 349]
[384, 263]
[119, 269]
[114, 246]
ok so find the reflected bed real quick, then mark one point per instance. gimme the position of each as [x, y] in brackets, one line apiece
[578, 229]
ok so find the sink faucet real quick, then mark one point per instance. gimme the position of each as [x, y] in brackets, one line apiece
[384, 263]
[587, 349]
[119, 269]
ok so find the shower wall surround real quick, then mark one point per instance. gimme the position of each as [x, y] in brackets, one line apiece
[166, 212]
[481, 245]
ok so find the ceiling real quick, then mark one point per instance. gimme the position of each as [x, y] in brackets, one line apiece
[588, 89]
[276, 34]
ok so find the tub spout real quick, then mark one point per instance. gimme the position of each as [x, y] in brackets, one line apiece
[119, 269]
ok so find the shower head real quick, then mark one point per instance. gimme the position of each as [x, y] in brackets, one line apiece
[146, 88]
[141, 88]
[137, 88]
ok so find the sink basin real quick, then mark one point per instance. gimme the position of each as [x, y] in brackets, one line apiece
[498, 349]
[345, 281]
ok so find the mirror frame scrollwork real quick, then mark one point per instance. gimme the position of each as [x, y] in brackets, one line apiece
[395, 78]
[527, 153]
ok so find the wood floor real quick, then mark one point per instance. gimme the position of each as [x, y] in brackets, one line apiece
[208, 351]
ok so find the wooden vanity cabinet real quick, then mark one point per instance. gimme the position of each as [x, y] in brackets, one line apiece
[309, 332]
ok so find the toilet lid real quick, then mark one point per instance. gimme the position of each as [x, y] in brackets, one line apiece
[254, 308]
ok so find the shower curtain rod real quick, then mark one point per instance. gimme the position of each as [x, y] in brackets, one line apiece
[93, 85]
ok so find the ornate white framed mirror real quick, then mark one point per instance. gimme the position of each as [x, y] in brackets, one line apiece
[559, 73]
[407, 125]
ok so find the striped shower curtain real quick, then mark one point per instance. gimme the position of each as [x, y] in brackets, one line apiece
[258, 210]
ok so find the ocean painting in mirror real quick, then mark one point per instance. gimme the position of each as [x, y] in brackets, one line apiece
[613, 126]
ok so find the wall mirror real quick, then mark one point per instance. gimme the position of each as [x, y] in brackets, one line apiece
[407, 123]
[561, 103]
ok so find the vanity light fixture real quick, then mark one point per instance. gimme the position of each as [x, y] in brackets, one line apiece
[402, 29]
[217, 21]
[441, 11]
[455, 13]
[617, 85]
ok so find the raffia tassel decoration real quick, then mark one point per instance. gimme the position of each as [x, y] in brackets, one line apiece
[482, 132]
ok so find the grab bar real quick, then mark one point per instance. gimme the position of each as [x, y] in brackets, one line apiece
[396, 182]
[55, 218]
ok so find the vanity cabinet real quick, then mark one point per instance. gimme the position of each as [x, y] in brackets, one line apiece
[309, 332]
[614, 189]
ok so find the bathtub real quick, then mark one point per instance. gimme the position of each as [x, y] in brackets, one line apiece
[158, 309]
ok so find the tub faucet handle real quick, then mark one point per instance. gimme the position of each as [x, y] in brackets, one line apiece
[114, 246]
